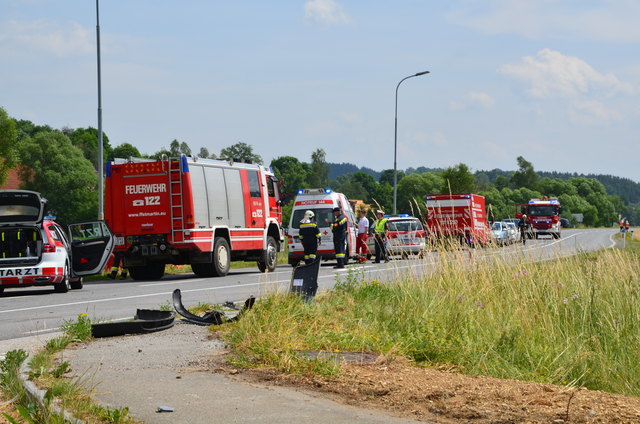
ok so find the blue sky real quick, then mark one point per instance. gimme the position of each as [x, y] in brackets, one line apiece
[557, 82]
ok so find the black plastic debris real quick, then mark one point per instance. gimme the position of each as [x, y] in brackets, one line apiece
[304, 280]
[145, 321]
[164, 409]
[210, 318]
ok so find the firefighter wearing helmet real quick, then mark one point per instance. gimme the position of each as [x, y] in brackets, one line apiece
[339, 230]
[309, 236]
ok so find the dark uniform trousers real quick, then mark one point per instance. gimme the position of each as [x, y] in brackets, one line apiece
[310, 237]
[339, 229]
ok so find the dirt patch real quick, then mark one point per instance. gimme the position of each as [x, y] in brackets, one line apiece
[443, 396]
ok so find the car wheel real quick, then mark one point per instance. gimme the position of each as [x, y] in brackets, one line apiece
[1, 290]
[65, 285]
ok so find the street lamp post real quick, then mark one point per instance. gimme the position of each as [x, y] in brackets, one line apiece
[100, 141]
[395, 143]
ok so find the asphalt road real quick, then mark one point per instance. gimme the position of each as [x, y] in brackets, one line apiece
[33, 311]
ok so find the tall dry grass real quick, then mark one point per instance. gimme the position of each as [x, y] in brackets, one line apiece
[571, 321]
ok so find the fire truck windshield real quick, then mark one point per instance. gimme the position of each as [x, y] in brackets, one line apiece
[322, 215]
[543, 210]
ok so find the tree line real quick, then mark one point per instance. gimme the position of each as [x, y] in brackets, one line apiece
[62, 164]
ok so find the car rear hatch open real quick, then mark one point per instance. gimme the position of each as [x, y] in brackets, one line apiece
[21, 213]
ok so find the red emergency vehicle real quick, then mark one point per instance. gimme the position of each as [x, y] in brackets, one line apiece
[543, 216]
[462, 216]
[194, 211]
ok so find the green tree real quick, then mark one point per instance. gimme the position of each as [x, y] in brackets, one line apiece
[525, 176]
[56, 168]
[174, 148]
[457, 179]
[386, 176]
[414, 187]
[124, 151]
[86, 139]
[319, 170]
[185, 149]
[8, 139]
[291, 172]
[241, 152]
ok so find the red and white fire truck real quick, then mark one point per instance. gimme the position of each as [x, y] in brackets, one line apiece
[461, 216]
[194, 211]
[543, 216]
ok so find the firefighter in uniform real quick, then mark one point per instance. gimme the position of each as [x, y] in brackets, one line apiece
[523, 225]
[380, 237]
[339, 230]
[309, 236]
[118, 265]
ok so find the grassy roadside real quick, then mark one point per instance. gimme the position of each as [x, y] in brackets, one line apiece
[570, 321]
[48, 371]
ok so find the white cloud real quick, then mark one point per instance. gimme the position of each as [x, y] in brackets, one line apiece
[326, 12]
[592, 112]
[608, 20]
[551, 74]
[47, 36]
[473, 98]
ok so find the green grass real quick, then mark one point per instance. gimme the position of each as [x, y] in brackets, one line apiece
[571, 321]
[49, 372]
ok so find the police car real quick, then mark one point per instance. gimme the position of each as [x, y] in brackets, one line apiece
[36, 251]
[405, 235]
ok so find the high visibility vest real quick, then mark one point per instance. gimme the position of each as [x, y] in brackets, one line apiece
[380, 226]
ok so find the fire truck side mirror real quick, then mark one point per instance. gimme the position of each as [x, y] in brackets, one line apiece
[559, 210]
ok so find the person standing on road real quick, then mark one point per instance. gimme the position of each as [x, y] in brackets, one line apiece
[339, 230]
[309, 236]
[363, 234]
[118, 266]
[523, 225]
[381, 237]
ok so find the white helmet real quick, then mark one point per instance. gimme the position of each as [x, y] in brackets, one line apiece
[309, 215]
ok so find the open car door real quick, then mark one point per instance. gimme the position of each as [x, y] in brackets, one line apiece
[91, 246]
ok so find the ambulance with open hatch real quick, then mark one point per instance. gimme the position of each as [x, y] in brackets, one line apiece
[321, 201]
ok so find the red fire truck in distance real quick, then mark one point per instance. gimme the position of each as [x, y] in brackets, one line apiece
[461, 216]
[201, 212]
[543, 216]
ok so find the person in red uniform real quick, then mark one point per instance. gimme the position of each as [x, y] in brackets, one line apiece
[363, 234]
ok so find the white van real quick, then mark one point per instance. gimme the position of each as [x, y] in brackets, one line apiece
[321, 201]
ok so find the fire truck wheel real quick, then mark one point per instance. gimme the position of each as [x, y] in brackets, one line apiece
[152, 271]
[63, 286]
[221, 257]
[269, 258]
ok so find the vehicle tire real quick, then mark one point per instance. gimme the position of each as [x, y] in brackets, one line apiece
[557, 235]
[76, 285]
[1, 290]
[152, 271]
[269, 258]
[220, 264]
[294, 262]
[65, 285]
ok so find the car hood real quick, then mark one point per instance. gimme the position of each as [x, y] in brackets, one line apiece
[21, 207]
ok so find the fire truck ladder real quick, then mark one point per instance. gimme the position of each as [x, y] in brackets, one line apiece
[175, 199]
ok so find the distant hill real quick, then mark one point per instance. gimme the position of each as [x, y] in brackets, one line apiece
[337, 169]
[627, 189]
